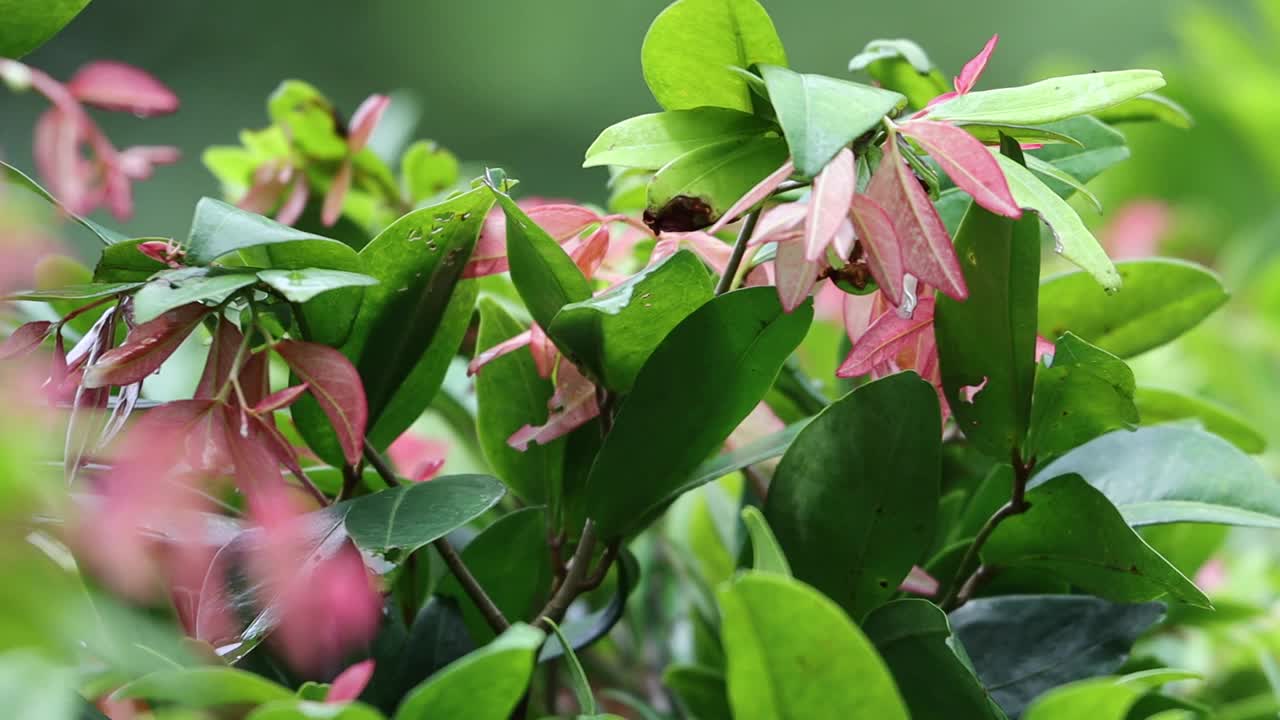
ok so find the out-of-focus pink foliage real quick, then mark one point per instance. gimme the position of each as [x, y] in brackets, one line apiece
[1135, 231]
[416, 457]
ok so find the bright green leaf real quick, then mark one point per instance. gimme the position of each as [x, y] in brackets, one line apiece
[411, 516]
[205, 687]
[1160, 405]
[1101, 698]
[1097, 148]
[301, 285]
[1048, 100]
[1085, 393]
[578, 677]
[485, 685]
[902, 66]
[309, 710]
[694, 190]
[123, 262]
[175, 288]
[651, 141]
[309, 118]
[88, 291]
[543, 273]
[766, 555]
[426, 170]
[26, 25]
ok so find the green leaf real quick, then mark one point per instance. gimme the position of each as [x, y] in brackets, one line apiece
[902, 66]
[33, 686]
[1148, 107]
[25, 26]
[427, 170]
[1098, 147]
[766, 555]
[1111, 560]
[219, 229]
[819, 115]
[437, 637]
[485, 685]
[1101, 698]
[915, 640]
[989, 340]
[863, 476]
[309, 118]
[1162, 299]
[1072, 239]
[612, 334]
[301, 285]
[543, 273]
[410, 516]
[14, 176]
[741, 340]
[1167, 474]
[701, 691]
[309, 710]
[694, 190]
[175, 288]
[766, 448]
[794, 654]
[990, 134]
[202, 687]
[1048, 100]
[1056, 177]
[510, 560]
[1085, 393]
[691, 46]
[1159, 405]
[651, 141]
[88, 291]
[579, 682]
[509, 395]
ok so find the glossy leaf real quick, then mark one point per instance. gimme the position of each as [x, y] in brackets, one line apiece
[967, 162]
[1162, 299]
[726, 34]
[1167, 474]
[1048, 100]
[765, 553]
[124, 263]
[543, 273]
[697, 188]
[436, 638]
[1159, 405]
[613, 333]
[772, 628]
[915, 640]
[741, 339]
[202, 687]
[147, 347]
[175, 288]
[301, 285]
[410, 516]
[89, 291]
[1019, 649]
[820, 115]
[650, 141]
[1110, 561]
[25, 26]
[219, 229]
[1085, 393]
[701, 691]
[484, 685]
[989, 340]
[833, 490]
[335, 386]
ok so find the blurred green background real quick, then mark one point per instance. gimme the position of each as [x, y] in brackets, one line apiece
[525, 85]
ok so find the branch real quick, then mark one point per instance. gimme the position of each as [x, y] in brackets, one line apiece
[573, 580]
[739, 250]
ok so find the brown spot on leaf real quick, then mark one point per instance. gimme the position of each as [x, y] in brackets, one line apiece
[682, 213]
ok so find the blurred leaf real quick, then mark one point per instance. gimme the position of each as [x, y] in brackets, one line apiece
[727, 34]
[1148, 107]
[90, 291]
[509, 395]
[334, 385]
[901, 66]
[916, 643]
[308, 710]
[543, 273]
[410, 516]
[1161, 299]
[578, 677]
[205, 687]
[741, 340]
[1110, 561]
[988, 342]
[301, 285]
[990, 134]
[701, 691]
[33, 687]
[765, 553]
[14, 176]
[694, 190]
[650, 141]
[1023, 645]
[25, 26]
[819, 115]
[1158, 405]
[832, 490]
[485, 685]
[1085, 393]
[1048, 100]
[174, 288]
[615, 332]
[1169, 474]
[426, 170]
[773, 629]
[145, 348]
[1101, 698]
[309, 119]
[438, 637]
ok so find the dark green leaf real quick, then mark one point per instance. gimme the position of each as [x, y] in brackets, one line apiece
[485, 685]
[205, 687]
[1161, 299]
[411, 516]
[1023, 645]
[989, 340]
[819, 115]
[915, 640]
[1169, 474]
[701, 691]
[577, 676]
[613, 334]
[90, 291]
[219, 229]
[694, 190]
[175, 288]
[1158, 405]
[438, 637]
[651, 141]
[301, 285]
[863, 476]
[1110, 560]
[122, 262]
[678, 413]
[1085, 393]
[543, 273]
[766, 448]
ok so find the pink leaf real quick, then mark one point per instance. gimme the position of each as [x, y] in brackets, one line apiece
[880, 245]
[138, 162]
[56, 149]
[572, 406]
[337, 195]
[973, 69]
[116, 86]
[364, 120]
[886, 336]
[779, 221]
[25, 339]
[708, 247]
[543, 351]
[919, 582]
[1136, 230]
[418, 458]
[967, 162]
[842, 242]
[590, 254]
[217, 364]
[295, 203]
[754, 196]
[795, 274]
[255, 378]
[266, 189]
[969, 392]
[927, 251]
[350, 683]
[562, 221]
[1044, 348]
[146, 348]
[335, 384]
[829, 203]
[257, 468]
[279, 400]
[510, 345]
[271, 438]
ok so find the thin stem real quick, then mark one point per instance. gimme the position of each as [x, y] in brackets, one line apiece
[598, 575]
[739, 249]
[573, 579]
[380, 464]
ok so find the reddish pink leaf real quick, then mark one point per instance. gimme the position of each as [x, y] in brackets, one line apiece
[364, 120]
[927, 251]
[146, 348]
[269, 435]
[256, 466]
[572, 405]
[279, 400]
[754, 196]
[1044, 348]
[255, 378]
[217, 364]
[880, 245]
[844, 237]
[514, 343]
[56, 149]
[337, 195]
[25, 339]
[590, 254]
[708, 247]
[418, 458]
[969, 392]
[335, 384]
[1136, 230]
[778, 222]
[269, 182]
[543, 350]
[973, 69]
[795, 274]
[829, 203]
[919, 582]
[117, 86]
[562, 221]
[139, 162]
[967, 162]
[295, 203]
[886, 336]
[350, 683]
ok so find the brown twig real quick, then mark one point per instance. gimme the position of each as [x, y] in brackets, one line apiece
[573, 580]
[739, 250]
